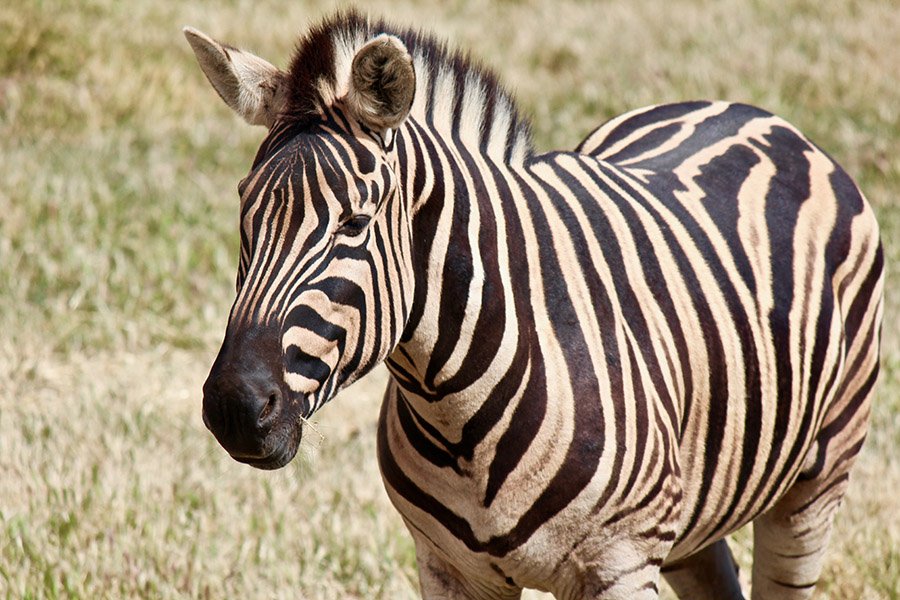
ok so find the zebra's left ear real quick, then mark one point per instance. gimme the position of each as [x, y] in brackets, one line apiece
[382, 83]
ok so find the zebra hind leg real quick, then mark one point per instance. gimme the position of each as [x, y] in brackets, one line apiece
[790, 539]
[711, 573]
[789, 543]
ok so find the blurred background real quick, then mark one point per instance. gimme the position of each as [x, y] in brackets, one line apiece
[118, 252]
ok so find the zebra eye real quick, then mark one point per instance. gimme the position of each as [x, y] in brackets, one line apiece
[355, 225]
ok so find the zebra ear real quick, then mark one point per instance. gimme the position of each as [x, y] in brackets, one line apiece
[251, 86]
[382, 83]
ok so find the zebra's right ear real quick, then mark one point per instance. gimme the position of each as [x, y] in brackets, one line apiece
[251, 86]
[382, 83]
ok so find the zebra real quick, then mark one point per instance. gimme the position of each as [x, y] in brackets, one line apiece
[602, 361]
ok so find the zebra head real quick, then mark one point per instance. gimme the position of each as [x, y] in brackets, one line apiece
[324, 279]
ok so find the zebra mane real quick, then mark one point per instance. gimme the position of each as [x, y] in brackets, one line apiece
[456, 95]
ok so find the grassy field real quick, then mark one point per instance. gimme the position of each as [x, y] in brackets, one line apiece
[118, 249]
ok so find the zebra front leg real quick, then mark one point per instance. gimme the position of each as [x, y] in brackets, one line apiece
[439, 580]
[611, 570]
[711, 573]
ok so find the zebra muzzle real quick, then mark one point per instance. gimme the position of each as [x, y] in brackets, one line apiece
[245, 405]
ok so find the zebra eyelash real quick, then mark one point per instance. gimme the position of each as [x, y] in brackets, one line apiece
[354, 226]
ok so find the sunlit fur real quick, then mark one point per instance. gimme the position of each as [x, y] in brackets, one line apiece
[603, 361]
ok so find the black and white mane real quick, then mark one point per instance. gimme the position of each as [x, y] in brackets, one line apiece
[455, 94]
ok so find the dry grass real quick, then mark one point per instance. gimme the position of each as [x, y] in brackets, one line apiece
[118, 249]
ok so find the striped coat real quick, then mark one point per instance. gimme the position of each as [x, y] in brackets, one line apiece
[603, 361]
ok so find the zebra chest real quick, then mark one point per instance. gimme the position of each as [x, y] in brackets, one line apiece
[537, 489]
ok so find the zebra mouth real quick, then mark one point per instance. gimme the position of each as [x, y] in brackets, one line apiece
[281, 451]
[276, 460]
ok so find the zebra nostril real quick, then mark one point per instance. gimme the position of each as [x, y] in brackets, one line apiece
[270, 410]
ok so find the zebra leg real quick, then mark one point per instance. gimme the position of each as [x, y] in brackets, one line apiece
[789, 540]
[439, 580]
[604, 569]
[789, 543]
[642, 584]
[711, 573]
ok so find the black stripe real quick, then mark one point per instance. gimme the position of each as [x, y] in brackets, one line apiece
[311, 367]
[588, 443]
[716, 411]
[650, 141]
[413, 425]
[862, 302]
[711, 130]
[654, 115]
[788, 188]
[721, 180]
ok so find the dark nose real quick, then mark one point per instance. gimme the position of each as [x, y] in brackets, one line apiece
[242, 397]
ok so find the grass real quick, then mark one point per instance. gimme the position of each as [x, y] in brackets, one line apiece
[118, 246]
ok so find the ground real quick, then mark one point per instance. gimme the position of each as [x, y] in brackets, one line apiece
[118, 250]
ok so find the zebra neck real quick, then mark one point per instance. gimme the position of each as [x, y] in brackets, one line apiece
[462, 335]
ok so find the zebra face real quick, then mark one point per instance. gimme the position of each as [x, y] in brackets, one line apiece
[314, 307]
[325, 268]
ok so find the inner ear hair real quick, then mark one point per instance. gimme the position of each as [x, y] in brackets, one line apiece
[382, 83]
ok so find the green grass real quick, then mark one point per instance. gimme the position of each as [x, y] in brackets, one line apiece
[118, 246]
